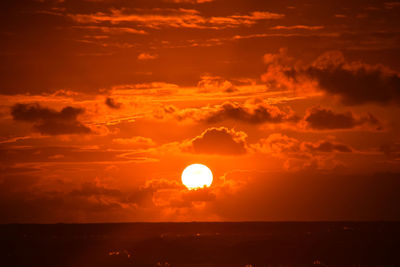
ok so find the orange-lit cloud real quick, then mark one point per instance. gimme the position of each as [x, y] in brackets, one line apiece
[146, 56]
[111, 30]
[136, 141]
[215, 83]
[178, 18]
[297, 27]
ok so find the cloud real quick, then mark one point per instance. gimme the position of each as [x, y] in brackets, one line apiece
[94, 189]
[141, 86]
[209, 84]
[285, 35]
[176, 18]
[278, 78]
[259, 15]
[29, 201]
[300, 155]
[319, 118]
[218, 141]
[111, 30]
[326, 146]
[135, 141]
[147, 56]
[354, 83]
[391, 5]
[251, 112]
[171, 194]
[199, 195]
[190, 1]
[110, 102]
[63, 153]
[162, 184]
[297, 27]
[49, 121]
[279, 143]
[139, 196]
[392, 150]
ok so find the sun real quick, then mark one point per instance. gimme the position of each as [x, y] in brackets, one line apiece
[197, 176]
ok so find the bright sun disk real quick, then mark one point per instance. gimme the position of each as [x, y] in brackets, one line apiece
[197, 176]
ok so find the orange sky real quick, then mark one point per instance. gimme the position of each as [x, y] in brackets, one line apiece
[292, 104]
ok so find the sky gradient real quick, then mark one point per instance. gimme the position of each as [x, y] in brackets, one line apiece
[293, 105]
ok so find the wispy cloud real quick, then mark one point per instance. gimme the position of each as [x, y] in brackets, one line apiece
[176, 18]
[297, 27]
[111, 30]
[147, 56]
[190, 1]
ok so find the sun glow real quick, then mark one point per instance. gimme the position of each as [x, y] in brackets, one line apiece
[197, 176]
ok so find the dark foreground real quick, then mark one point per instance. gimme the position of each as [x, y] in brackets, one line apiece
[201, 244]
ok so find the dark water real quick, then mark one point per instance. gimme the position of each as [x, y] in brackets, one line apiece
[201, 244]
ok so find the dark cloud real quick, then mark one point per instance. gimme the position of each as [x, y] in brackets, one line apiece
[254, 114]
[93, 189]
[158, 184]
[219, 141]
[48, 153]
[49, 121]
[142, 196]
[110, 102]
[278, 143]
[23, 199]
[254, 111]
[303, 155]
[391, 150]
[201, 194]
[327, 146]
[319, 118]
[355, 83]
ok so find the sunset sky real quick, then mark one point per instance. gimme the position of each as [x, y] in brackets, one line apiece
[293, 105]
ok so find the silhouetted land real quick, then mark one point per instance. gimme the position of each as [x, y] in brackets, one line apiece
[202, 244]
